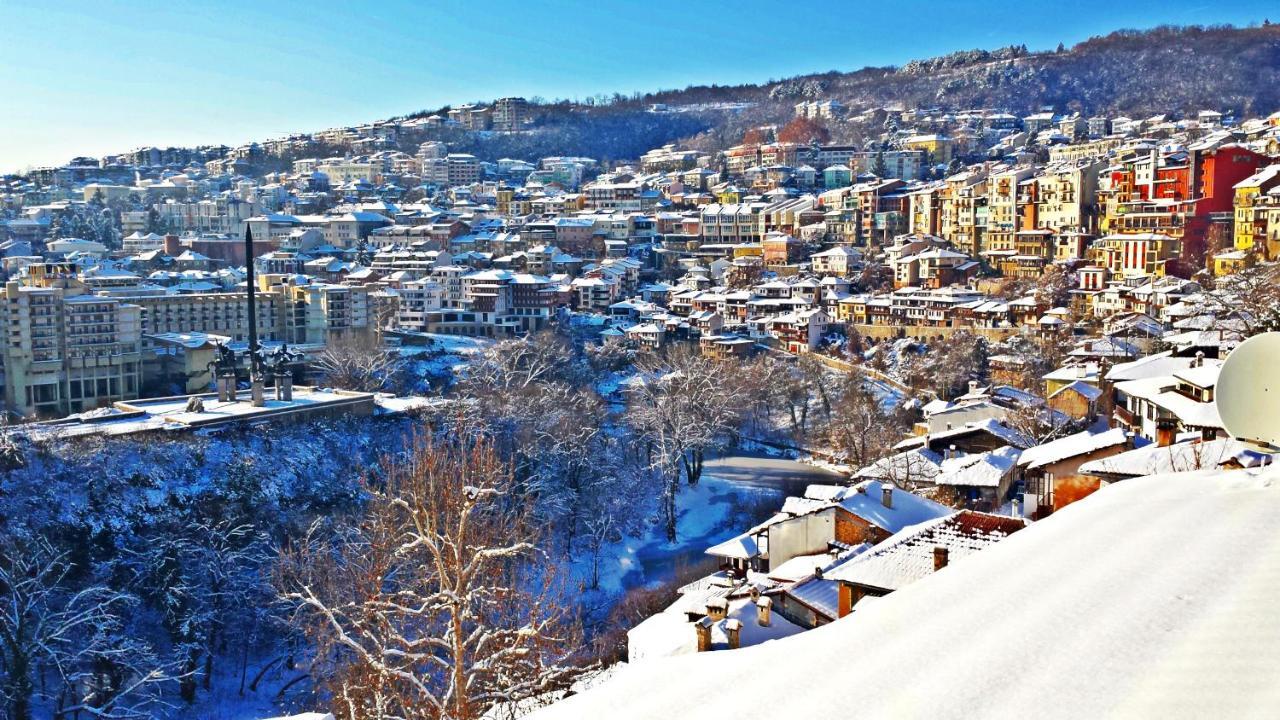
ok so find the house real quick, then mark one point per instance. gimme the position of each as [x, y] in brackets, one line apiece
[972, 438]
[712, 613]
[1051, 475]
[800, 331]
[1078, 400]
[840, 260]
[647, 335]
[916, 552]
[845, 516]
[981, 480]
[1086, 373]
[1160, 407]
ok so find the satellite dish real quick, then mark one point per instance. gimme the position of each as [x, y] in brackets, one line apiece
[1248, 392]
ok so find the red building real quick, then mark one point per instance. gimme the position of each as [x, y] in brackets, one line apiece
[1179, 194]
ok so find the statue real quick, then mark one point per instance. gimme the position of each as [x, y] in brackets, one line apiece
[281, 358]
[224, 361]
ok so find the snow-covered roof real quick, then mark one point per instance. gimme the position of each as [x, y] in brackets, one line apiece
[987, 469]
[1152, 459]
[1089, 392]
[741, 547]
[908, 555]
[991, 426]
[1049, 606]
[908, 509]
[1081, 443]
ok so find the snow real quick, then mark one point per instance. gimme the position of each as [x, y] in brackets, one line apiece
[908, 555]
[1179, 457]
[1081, 443]
[1048, 623]
[740, 548]
[908, 509]
[1087, 391]
[990, 426]
[671, 633]
[820, 594]
[986, 469]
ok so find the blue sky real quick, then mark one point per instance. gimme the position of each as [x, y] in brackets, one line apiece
[97, 76]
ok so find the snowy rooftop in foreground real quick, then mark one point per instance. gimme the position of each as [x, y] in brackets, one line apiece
[1153, 597]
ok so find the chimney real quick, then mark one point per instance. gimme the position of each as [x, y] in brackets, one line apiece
[733, 628]
[171, 247]
[763, 608]
[703, 629]
[717, 608]
[1165, 430]
[886, 495]
[1199, 362]
[940, 556]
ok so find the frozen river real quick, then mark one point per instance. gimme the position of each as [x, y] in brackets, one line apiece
[736, 492]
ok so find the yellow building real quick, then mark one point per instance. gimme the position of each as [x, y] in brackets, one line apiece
[935, 147]
[1251, 208]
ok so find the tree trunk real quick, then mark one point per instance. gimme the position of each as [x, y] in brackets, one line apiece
[669, 504]
[461, 707]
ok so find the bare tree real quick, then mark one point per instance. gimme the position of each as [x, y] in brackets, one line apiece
[357, 362]
[1247, 302]
[47, 628]
[861, 429]
[206, 579]
[433, 602]
[523, 363]
[684, 407]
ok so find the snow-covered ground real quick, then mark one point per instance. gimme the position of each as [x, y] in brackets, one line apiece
[444, 358]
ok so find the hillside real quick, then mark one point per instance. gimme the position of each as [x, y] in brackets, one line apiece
[1166, 69]
[1137, 73]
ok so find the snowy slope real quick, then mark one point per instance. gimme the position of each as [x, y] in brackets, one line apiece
[1153, 597]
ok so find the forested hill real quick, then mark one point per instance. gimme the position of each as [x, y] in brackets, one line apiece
[1137, 73]
[1166, 69]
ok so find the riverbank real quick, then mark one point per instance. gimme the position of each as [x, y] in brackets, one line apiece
[736, 491]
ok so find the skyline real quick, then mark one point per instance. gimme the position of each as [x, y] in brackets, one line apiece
[260, 75]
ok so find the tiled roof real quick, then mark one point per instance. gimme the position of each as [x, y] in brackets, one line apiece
[909, 555]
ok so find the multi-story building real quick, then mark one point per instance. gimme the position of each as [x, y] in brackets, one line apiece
[1003, 215]
[964, 201]
[472, 117]
[1177, 194]
[924, 209]
[1066, 195]
[452, 170]
[734, 222]
[341, 171]
[224, 215]
[1253, 206]
[819, 109]
[510, 114]
[668, 159]
[64, 350]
